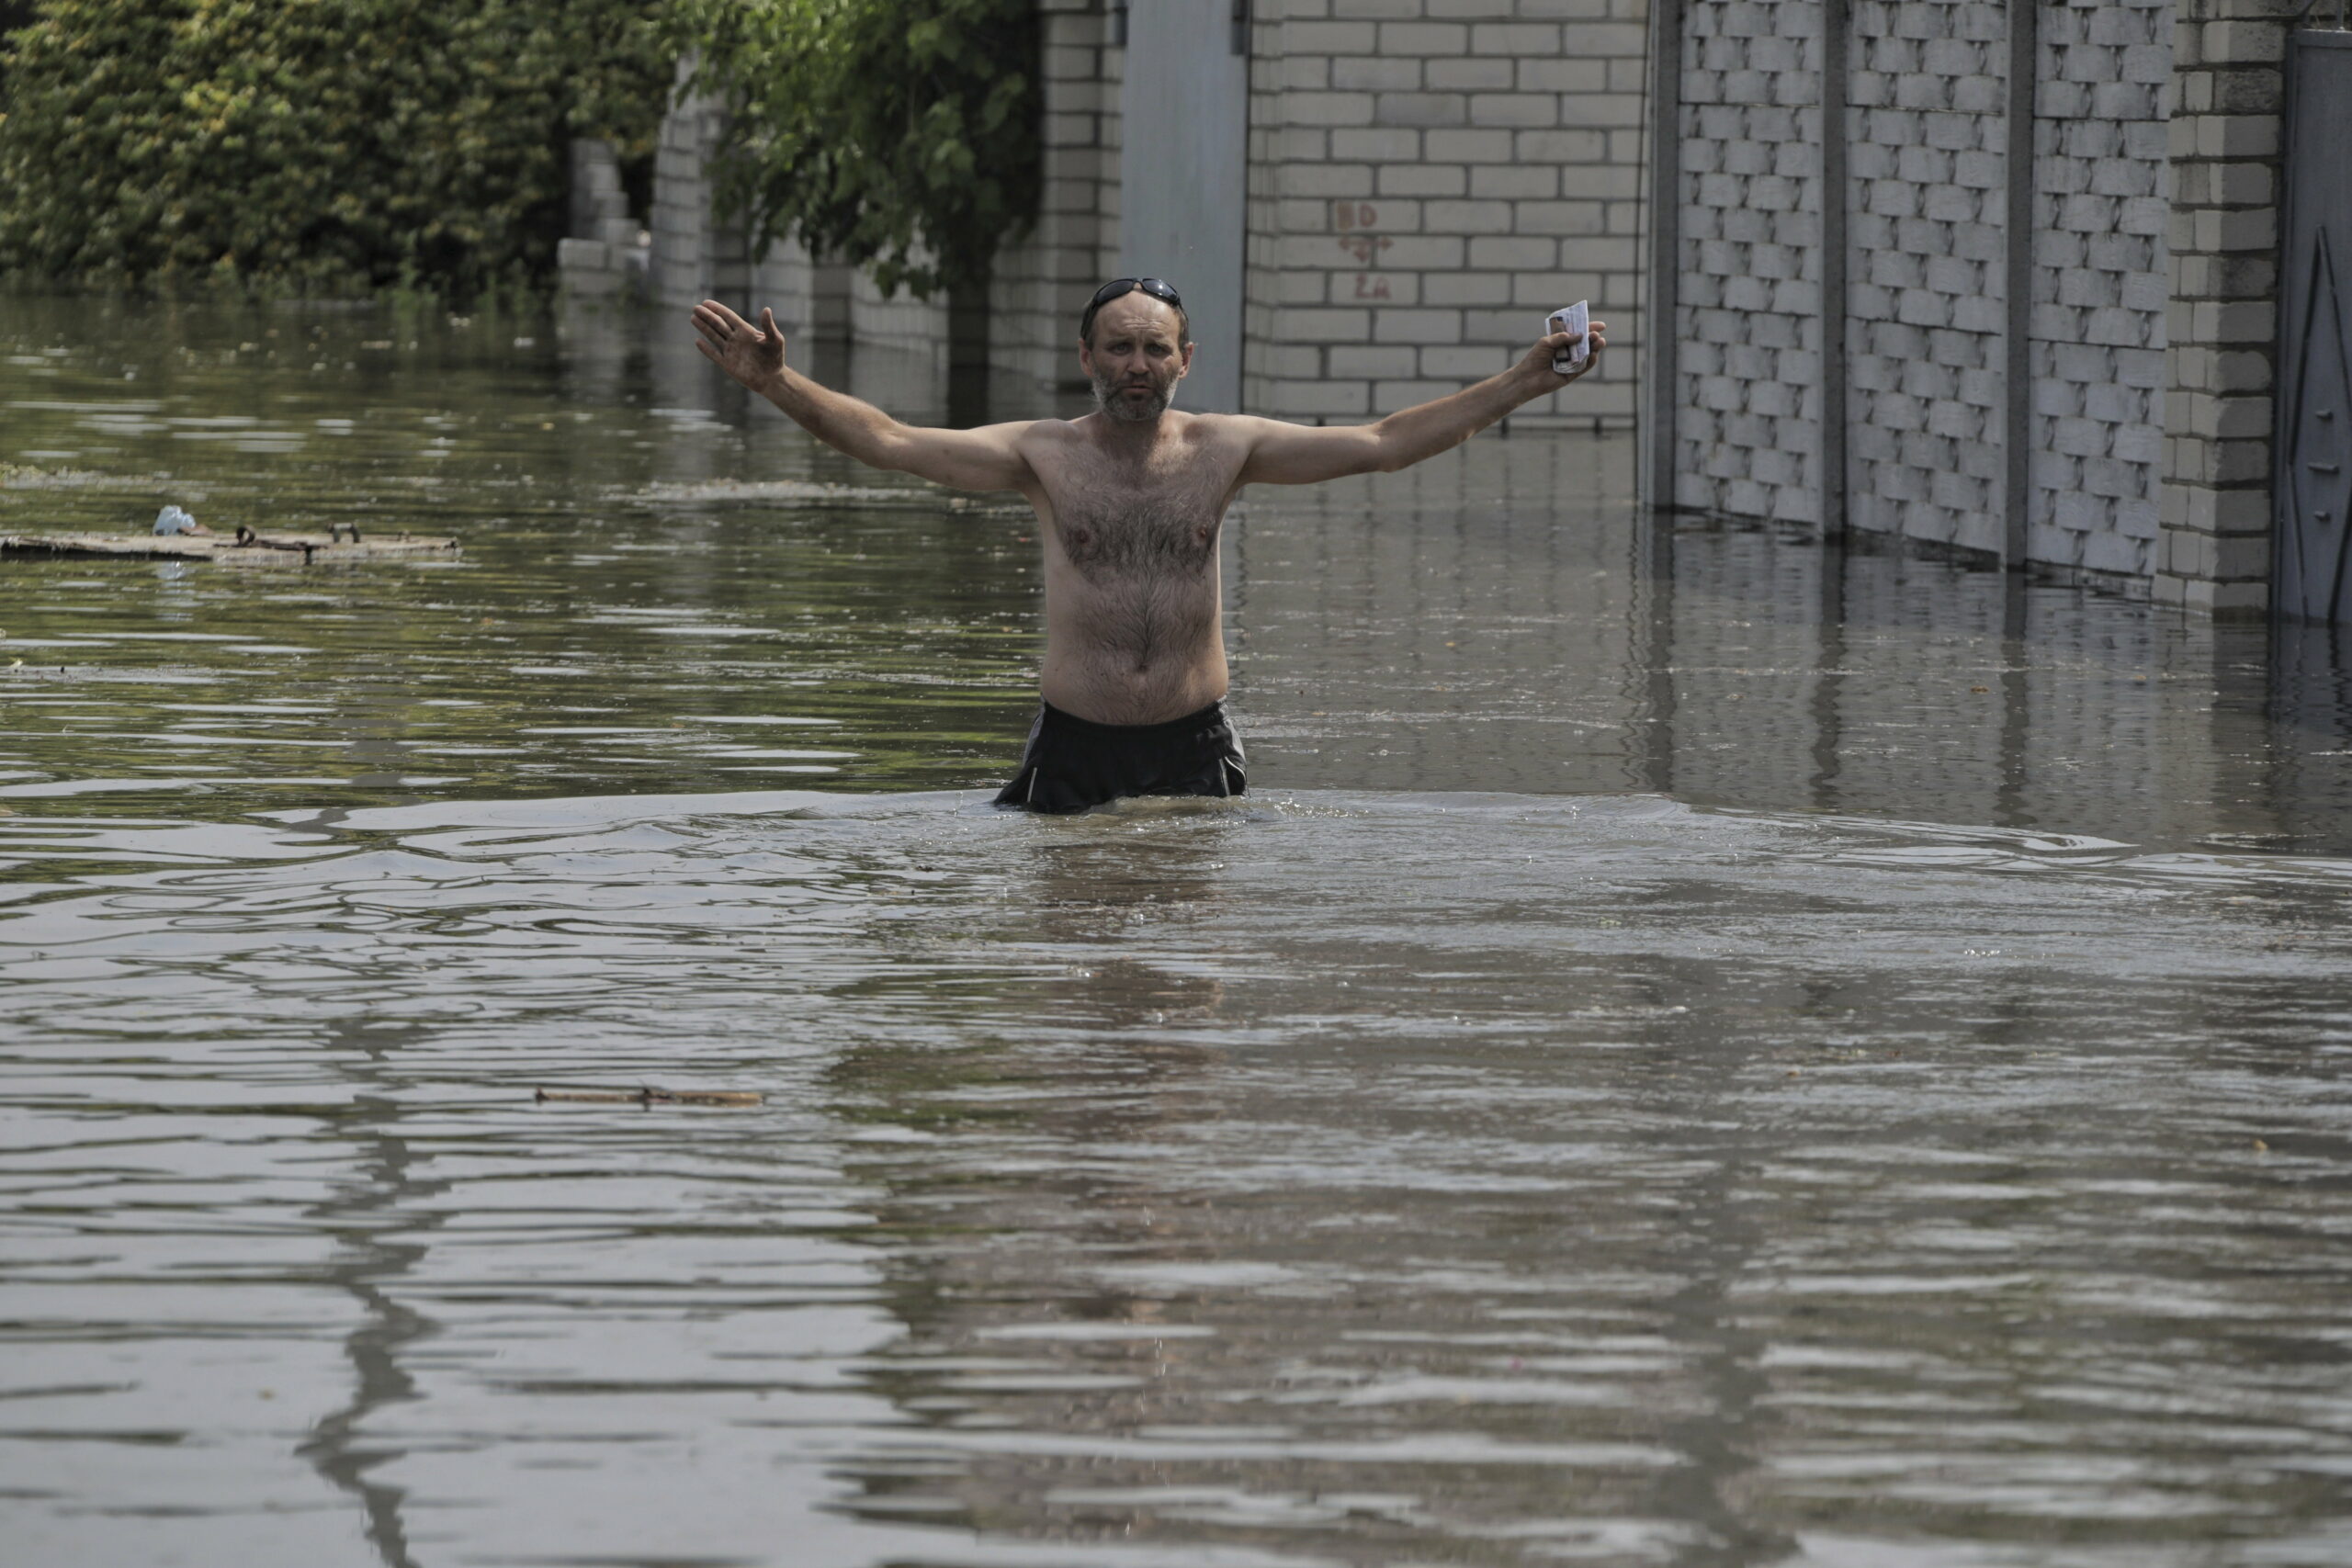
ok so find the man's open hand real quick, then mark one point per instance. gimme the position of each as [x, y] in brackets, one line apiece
[1539, 358]
[753, 356]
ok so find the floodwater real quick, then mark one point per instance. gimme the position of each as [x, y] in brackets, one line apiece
[1697, 1049]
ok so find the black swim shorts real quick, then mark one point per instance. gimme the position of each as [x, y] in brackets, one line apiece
[1072, 763]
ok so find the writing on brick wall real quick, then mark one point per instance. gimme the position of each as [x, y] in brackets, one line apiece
[1360, 217]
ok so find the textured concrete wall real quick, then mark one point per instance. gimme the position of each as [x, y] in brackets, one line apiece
[1748, 187]
[2150, 316]
[1427, 178]
[2140, 230]
[1926, 98]
[1924, 225]
[2100, 210]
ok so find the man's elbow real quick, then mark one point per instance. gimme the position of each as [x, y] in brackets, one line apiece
[1393, 451]
[889, 447]
[1390, 451]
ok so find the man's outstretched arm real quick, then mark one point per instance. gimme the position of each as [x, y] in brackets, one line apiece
[1284, 454]
[986, 458]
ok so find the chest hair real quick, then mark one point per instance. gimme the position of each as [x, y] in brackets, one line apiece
[1125, 522]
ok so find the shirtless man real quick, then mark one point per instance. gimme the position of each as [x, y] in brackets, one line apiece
[1131, 500]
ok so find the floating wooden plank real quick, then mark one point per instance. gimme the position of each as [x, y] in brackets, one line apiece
[244, 545]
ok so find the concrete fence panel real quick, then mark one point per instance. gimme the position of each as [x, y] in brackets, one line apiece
[1978, 273]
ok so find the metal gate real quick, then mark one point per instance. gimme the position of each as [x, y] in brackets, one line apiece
[2314, 409]
[1186, 113]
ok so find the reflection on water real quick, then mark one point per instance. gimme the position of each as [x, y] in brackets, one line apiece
[1701, 1051]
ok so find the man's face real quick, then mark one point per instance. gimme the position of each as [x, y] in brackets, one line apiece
[1134, 360]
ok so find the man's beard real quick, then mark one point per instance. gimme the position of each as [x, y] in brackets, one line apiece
[1115, 405]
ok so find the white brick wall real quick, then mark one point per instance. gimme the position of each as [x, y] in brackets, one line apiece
[902, 323]
[1427, 178]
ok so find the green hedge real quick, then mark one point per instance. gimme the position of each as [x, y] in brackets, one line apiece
[899, 134]
[332, 145]
[313, 144]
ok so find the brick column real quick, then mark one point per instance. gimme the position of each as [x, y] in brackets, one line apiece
[1041, 282]
[601, 255]
[695, 254]
[2222, 323]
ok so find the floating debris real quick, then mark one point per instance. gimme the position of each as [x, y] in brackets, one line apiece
[339, 544]
[648, 1095]
[774, 490]
[30, 476]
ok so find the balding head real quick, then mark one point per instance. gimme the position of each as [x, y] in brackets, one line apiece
[1137, 314]
[1135, 309]
[1138, 353]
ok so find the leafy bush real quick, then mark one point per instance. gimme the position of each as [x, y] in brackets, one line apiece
[341, 144]
[903, 134]
[320, 145]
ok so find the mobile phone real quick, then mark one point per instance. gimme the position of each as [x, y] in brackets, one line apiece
[1575, 319]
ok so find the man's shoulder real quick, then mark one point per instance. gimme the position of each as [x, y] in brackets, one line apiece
[1050, 430]
[1219, 429]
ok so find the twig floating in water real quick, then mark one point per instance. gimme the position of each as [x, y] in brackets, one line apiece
[648, 1095]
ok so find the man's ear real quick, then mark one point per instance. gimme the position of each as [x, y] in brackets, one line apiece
[1187, 367]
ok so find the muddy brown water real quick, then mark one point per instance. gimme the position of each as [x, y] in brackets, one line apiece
[1696, 1050]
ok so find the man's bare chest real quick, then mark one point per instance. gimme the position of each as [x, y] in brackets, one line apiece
[1133, 520]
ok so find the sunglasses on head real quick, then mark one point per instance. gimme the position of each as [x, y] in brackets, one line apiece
[1158, 288]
